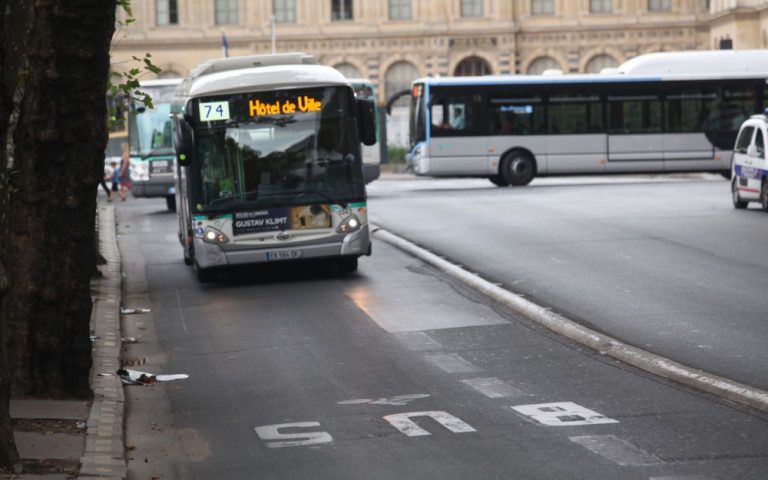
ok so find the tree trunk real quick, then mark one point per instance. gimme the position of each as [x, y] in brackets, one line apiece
[58, 141]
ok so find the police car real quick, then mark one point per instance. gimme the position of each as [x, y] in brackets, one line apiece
[750, 164]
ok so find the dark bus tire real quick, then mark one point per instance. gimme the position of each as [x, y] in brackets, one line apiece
[348, 264]
[498, 181]
[518, 168]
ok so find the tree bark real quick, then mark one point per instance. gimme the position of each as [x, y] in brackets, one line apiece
[57, 142]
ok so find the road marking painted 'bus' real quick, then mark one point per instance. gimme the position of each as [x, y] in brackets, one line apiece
[493, 387]
[275, 439]
[398, 400]
[562, 414]
[617, 450]
[403, 422]
[452, 363]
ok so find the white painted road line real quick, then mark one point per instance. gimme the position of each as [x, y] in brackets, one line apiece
[562, 414]
[650, 362]
[493, 387]
[617, 450]
[403, 422]
[452, 363]
[418, 341]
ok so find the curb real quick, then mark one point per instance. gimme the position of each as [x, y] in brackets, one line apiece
[104, 455]
[605, 345]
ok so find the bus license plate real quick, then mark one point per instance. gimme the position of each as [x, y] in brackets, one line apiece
[284, 255]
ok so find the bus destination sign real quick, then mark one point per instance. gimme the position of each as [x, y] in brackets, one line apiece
[301, 103]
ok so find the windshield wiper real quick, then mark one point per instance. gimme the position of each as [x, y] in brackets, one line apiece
[303, 193]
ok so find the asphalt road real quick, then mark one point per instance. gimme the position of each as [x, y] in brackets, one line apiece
[393, 372]
[662, 263]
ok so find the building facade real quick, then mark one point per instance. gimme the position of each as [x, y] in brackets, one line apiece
[394, 41]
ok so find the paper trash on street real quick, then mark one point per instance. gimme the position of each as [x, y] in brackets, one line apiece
[133, 377]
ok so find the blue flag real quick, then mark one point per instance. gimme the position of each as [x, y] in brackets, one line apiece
[224, 45]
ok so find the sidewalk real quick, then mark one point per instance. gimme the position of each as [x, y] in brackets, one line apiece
[55, 437]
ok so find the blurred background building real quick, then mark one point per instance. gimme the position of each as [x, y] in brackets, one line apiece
[393, 42]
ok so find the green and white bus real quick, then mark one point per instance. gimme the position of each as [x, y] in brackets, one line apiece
[660, 113]
[364, 88]
[151, 142]
[269, 164]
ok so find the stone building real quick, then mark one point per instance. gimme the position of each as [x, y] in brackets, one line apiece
[394, 41]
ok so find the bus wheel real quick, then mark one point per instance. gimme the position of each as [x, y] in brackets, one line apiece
[187, 257]
[764, 196]
[348, 264]
[518, 168]
[170, 202]
[737, 201]
[498, 181]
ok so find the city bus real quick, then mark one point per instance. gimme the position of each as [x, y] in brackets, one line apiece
[663, 112]
[364, 88]
[269, 164]
[151, 142]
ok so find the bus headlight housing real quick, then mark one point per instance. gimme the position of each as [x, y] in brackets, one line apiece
[212, 235]
[349, 225]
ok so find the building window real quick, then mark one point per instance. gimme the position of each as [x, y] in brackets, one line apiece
[541, 64]
[399, 77]
[285, 11]
[597, 63]
[341, 10]
[226, 12]
[471, 8]
[600, 6]
[472, 66]
[658, 5]
[542, 7]
[399, 9]
[166, 12]
[348, 70]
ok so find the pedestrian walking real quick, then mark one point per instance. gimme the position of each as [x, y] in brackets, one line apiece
[124, 177]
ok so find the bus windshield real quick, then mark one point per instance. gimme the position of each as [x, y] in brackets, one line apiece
[151, 128]
[277, 148]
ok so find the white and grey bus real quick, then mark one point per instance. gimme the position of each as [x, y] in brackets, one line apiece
[364, 88]
[269, 164]
[664, 112]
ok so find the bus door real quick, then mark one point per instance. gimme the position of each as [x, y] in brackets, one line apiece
[455, 147]
[686, 146]
[635, 134]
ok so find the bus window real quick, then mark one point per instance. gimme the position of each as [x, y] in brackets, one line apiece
[635, 114]
[516, 116]
[689, 112]
[450, 115]
[572, 114]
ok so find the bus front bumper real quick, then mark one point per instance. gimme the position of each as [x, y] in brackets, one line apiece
[355, 244]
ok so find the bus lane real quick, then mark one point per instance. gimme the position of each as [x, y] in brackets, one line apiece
[398, 371]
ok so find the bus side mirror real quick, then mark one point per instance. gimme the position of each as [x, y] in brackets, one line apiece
[366, 121]
[182, 139]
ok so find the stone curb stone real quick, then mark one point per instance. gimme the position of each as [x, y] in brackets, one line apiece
[104, 455]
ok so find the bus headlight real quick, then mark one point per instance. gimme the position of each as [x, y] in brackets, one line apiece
[349, 224]
[211, 235]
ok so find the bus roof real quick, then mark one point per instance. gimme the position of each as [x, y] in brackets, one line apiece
[654, 67]
[262, 78]
[216, 65]
[698, 62]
